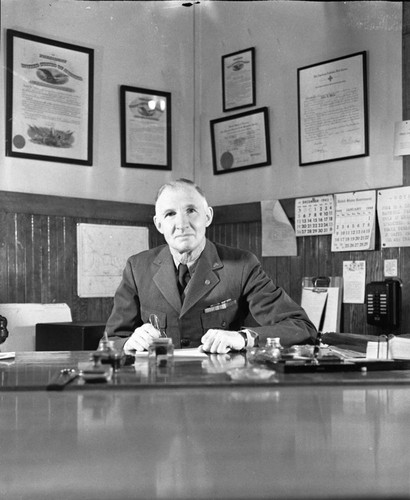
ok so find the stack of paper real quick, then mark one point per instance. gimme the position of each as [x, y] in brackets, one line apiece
[393, 348]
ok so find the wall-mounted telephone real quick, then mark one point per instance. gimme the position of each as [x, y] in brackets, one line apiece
[383, 303]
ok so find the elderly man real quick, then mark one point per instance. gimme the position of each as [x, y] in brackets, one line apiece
[200, 292]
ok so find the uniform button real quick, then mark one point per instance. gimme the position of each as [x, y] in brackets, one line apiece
[207, 282]
[223, 323]
[216, 264]
[185, 342]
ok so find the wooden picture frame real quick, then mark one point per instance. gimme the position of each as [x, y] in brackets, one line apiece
[145, 128]
[238, 80]
[49, 110]
[332, 110]
[241, 141]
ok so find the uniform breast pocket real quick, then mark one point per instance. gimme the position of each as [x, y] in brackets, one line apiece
[219, 318]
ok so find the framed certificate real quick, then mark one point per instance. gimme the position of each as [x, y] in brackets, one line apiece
[145, 128]
[241, 141]
[332, 106]
[49, 110]
[238, 79]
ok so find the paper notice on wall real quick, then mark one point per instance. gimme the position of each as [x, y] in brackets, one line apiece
[354, 279]
[393, 212]
[402, 138]
[355, 218]
[314, 216]
[278, 235]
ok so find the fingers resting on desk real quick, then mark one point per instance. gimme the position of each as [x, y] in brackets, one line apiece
[222, 341]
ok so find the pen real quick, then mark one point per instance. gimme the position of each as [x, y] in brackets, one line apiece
[153, 319]
[316, 349]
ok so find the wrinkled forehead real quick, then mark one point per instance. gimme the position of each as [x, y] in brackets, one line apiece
[174, 196]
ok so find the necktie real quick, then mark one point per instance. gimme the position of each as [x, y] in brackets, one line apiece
[183, 277]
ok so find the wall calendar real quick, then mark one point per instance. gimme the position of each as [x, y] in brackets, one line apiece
[355, 217]
[314, 216]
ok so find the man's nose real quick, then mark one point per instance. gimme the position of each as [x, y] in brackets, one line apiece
[181, 220]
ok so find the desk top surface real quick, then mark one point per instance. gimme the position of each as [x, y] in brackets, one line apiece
[35, 371]
[201, 435]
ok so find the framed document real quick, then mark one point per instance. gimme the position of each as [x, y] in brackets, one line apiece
[332, 106]
[49, 110]
[145, 128]
[241, 141]
[238, 79]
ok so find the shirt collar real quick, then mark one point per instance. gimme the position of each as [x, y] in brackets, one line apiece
[192, 258]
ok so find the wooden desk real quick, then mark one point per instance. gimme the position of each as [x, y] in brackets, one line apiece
[315, 436]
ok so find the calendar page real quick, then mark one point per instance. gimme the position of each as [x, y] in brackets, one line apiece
[355, 215]
[314, 216]
[393, 211]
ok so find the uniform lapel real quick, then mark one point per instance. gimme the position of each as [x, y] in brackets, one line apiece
[165, 278]
[204, 278]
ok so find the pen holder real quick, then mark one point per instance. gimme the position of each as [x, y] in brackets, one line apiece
[161, 352]
[107, 354]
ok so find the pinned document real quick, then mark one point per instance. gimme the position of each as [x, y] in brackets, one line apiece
[278, 235]
[323, 303]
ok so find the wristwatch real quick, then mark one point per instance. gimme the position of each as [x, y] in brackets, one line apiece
[250, 337]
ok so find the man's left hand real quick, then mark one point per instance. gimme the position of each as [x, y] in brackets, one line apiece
[222, 341]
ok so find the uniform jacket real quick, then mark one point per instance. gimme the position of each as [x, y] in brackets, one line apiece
[227, 288]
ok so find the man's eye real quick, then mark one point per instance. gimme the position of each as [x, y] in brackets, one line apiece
[169, 214]
[191, 210]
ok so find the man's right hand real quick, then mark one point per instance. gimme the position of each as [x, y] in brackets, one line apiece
[141, 339]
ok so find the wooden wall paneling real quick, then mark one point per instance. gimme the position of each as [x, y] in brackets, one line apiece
[297, 271]
[25, 254]
[53, 256]
[3, 258]
[11, 258]
[34, 261]
[283, 273]
[312, 264]
[324, 246]
[270, 268]
[250, 237]
[374, 264]
[404, 260]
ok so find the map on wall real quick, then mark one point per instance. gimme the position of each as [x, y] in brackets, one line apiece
[102, 252]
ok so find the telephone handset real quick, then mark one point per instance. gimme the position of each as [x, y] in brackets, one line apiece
[383, 303]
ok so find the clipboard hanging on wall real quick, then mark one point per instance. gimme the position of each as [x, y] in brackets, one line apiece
[322, 301]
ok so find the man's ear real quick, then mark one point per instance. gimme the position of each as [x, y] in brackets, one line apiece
[158, 224]
[209, 216]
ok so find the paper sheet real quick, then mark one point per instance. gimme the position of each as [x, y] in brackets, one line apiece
[402, 138]
[354, 279]
[278, 235]
[193, 352]
[313, 302]
[7, 355]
